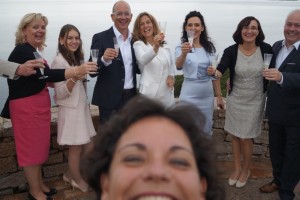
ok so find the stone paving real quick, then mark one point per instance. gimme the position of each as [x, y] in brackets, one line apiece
[260, 174]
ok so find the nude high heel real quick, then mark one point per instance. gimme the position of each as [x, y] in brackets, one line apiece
[66, 179]
[75, 185]
[232, 182]
[242, 184]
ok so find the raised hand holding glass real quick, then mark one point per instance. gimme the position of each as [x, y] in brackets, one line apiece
[116, 47]
[94, 56]
[267, 60]
[190, 35]
[162, 27]
[214, 60]
[38, 56]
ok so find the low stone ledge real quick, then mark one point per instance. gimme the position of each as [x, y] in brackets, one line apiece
[12, 178]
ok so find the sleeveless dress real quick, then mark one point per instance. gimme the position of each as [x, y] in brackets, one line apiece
[245, 104]
[198, 89]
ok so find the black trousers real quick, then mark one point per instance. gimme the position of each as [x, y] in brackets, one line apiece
[284, 143]
[105, 113]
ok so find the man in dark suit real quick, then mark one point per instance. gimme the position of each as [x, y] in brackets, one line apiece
[283, 110]
[116, 81]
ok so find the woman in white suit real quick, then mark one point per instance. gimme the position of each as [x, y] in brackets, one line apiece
[75, 126]
[155, 60]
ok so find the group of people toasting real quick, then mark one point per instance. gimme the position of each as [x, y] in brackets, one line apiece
[143, 51]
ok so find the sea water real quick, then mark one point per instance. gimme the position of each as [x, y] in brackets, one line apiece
[93, 16]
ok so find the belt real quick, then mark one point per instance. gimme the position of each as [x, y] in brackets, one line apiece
[128, 91]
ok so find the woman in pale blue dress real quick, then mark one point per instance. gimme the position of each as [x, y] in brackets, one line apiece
[197, 87]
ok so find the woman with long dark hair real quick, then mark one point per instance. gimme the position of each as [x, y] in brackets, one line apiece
[197, 86]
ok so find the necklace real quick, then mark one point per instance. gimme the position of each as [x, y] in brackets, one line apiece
[249, 51]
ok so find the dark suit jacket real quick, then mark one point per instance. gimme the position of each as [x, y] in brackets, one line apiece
[283, 104]
[229, 58]
[110, 81]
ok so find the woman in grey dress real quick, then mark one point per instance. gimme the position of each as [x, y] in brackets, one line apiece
[197, 86]
[246, 95]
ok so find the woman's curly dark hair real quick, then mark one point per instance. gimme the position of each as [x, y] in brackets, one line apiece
[98, 161]
[205, 41]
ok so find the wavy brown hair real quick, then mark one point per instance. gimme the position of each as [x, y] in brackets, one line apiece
[136, 28]
[73, 58]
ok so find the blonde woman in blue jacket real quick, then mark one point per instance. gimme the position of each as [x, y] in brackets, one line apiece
[155, 61]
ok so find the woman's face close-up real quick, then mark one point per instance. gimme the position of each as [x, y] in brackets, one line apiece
[71, 41]
[146, 27]
[194, 23]
[250, 32]
[35, 33]
[153, 159]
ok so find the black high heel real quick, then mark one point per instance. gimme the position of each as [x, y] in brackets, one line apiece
[51, 192]
[30, 197]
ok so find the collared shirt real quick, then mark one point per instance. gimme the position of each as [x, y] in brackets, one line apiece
[283, 53]
[125, 49]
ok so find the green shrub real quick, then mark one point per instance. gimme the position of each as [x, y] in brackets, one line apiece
[224, 79]
[178, 84]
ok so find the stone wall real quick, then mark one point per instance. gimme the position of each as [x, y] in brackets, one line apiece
[12, 178]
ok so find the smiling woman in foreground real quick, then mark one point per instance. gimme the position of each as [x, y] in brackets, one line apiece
[148, 151]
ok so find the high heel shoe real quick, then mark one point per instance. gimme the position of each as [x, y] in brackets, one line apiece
[30, 197]
[51, 192]
[240, 184]
[232, 182]
[67, 179]
[75, 185]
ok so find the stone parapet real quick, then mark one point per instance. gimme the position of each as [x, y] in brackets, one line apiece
[12, 179]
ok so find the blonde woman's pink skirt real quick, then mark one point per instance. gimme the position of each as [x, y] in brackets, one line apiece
[31, 118]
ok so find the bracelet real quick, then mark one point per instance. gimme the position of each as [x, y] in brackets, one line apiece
[216, 74]
[72, 80]
[75, 73]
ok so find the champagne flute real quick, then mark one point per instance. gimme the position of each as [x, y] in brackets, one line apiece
[267, 60]
[116, 47]
[94, 56]
[190, 35]
[214, 60]
[38, 56]
[85, 76]
[162, 26]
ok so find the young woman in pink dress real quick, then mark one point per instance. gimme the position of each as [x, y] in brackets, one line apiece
[75, 126]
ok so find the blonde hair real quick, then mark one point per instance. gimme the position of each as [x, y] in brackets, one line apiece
[25, 21]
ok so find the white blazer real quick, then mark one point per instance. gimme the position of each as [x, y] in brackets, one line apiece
[8, 69]
[152, 65]
[62, 95]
